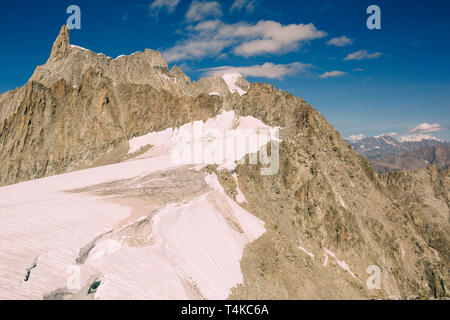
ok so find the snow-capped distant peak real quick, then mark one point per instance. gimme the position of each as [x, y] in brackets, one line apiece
[355, 138]
[418, 138]
[231, 79]
[391, 134]
[386, 139]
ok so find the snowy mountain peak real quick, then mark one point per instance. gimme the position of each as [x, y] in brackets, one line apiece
[355, 138]
[232, 81]
[391, 134]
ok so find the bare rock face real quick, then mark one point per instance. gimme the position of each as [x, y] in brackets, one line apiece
[60, 128]
[329, 216]
[62, 44]
[414, 160]
[327, 209]
[387, 154]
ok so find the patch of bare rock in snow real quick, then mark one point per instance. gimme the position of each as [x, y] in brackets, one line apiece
[240, 198]
[209, 135]
[196, 252]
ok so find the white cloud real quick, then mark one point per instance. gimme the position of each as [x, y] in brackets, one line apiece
[427, 127]
[242, 39]
[200, 10]
[358, 69]
[418, 138]
[363, 55]
[389, 134]
[272, 37]
[356, 138]
[239, 5]
[157, 5]
[207, 25]
[266, 70]
[340, 41]
[196, 49]
[332, 74]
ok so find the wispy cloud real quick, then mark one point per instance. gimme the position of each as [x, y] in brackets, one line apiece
[340, 41]
[266, 70]
[363, 55]
[417, 138]
[240, 5]
[389, 134]
[356, 138]
[200, 10]
[196, 49]
[168, 5]
[427, 127]
[272, 37]
[210, 38]
[332, 74]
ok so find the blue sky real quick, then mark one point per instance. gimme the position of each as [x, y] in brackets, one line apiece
[363, 81]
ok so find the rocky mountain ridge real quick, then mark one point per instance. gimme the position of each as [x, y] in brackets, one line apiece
[112, 93]
[70, 62]
[387, 153]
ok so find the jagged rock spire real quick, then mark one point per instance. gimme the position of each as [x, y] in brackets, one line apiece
[62, 43]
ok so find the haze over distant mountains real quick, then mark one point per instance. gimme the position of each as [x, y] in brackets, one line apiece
[411, 152]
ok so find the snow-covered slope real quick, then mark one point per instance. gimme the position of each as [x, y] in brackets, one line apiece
[145, 229]
[222, 140]
[231, 81]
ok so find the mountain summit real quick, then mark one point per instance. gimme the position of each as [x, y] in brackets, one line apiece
[62, 44]
[70, 62]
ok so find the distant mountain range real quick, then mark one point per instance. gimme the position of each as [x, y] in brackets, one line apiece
[413, 152]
